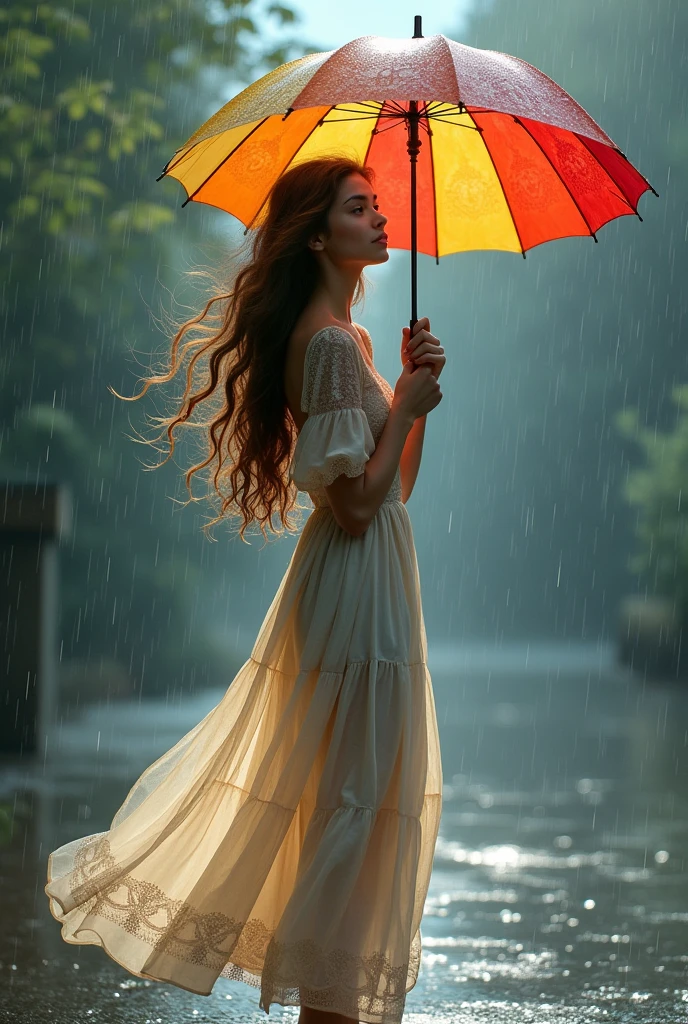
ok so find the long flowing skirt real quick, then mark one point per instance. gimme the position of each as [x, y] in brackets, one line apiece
[287, 840]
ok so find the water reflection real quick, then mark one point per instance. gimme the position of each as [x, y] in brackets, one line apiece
[559, 887]
[559, 890]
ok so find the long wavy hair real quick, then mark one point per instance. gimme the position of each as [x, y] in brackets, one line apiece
[235, 352]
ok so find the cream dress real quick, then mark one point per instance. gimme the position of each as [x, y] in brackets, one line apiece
[287, 840]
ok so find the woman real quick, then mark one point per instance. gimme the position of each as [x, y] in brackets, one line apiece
[287, 840]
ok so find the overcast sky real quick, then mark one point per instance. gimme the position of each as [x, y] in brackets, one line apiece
[331, 25]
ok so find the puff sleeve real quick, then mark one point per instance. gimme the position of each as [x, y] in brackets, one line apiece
[336, 438]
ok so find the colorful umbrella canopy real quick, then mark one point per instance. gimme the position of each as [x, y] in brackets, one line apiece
[472, 149]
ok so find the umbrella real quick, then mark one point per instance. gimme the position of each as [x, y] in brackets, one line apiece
[500, 156]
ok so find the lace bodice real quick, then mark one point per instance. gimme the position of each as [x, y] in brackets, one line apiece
[347, 402]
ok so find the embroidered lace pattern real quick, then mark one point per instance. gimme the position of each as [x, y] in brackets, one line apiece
[382, 994]
[332, 373]
[335, 468]
[337, 376]
[367, 987]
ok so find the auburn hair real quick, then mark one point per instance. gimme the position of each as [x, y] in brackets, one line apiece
[236, 350]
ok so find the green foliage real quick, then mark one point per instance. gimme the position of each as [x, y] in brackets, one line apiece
[6, 824]
[657, 490]
[94, 99]
[14, 818]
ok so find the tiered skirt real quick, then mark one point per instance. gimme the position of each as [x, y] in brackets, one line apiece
[287, 840]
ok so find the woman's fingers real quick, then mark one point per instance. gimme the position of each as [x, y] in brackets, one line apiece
[421, 343]
[421, 335]
[429, 355]
[427, 344]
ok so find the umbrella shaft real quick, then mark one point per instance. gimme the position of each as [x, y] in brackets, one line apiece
[413, 146]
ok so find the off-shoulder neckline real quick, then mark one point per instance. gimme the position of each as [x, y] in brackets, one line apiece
[336, 327]
[332, 327]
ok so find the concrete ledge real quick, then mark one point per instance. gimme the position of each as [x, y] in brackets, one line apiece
[43, 508]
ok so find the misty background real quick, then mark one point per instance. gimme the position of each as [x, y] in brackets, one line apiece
[561, 367]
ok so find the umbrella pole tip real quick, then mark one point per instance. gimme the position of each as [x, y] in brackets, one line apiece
[417, 26]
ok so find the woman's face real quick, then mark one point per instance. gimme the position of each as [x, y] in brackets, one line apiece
[355, 224]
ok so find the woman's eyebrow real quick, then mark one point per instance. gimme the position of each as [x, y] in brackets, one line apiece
[357, 197]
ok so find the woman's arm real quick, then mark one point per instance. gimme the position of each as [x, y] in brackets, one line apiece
[409, 464]
[355, 500]
[423, 347]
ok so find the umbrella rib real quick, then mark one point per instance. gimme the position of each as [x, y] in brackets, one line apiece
[434, 198]
[169, 166]
[441, 108]
[377, 113]
[466, 110]
[471, 127]
[370, 142]
[395, 106]
[506, 198]
[300, 146]
[457, 109]
[371, 104]
[379, 131]
[623, 194]
[518, 121]
[216, 169]
[365, 117]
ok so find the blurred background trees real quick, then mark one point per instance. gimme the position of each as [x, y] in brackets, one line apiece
[95, 98]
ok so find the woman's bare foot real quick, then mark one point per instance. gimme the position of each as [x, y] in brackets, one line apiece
[310, 1016]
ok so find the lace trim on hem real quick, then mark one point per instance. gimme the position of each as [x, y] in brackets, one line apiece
[365, 986]
[380, 999]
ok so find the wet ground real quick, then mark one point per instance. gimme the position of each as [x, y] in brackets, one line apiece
[559, 891]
